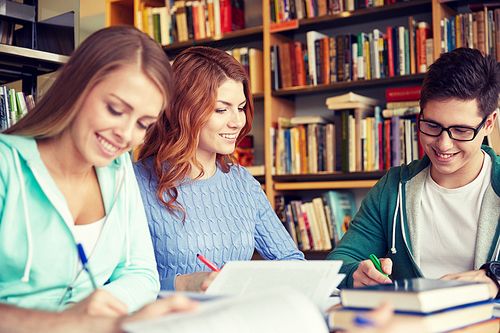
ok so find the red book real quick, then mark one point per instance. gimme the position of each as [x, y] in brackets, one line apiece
[390, 51]
[402, 94]
[226, 16]
[299, 64]
[424, 32]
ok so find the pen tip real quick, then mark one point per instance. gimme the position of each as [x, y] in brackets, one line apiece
[198, 255]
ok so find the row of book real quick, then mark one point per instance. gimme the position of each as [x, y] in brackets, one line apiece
[187, 20]
[286, 10]
[479, 30]
[360, 136]
[13, 106]
[364, 56]
[320, 223]
[253, 61]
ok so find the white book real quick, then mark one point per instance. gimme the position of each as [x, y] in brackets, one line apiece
[323, 224]
[401, 48]
[312, 36]
[377, 34]
[281, 310]
[317, 280]
[217, 20]
[308, 207]
[165, 24]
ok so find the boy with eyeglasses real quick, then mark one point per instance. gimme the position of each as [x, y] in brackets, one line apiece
[437, 217]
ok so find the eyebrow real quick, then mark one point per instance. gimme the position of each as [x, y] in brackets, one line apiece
[122, 101]
[229, 104]
[131, 108]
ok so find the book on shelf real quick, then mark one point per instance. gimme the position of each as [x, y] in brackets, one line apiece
[317, 280]
[402, 112]
[311, 37]
[309, 120]
[280, 310]
[13, 106]
[352, 97]
[349, 105]
[417, 295]
[441, 321]
[256, 69]
[342, 205]
[403, 94]
[187, 20]
[402, 104]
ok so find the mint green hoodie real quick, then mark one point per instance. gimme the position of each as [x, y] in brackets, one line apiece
[386, 224]
[38, 254]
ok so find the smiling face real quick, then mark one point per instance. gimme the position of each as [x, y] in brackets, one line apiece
[219, 134]
[114, 116]
[455, 163]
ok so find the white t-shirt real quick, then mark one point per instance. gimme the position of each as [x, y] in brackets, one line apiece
[448, 224]
[87, 235]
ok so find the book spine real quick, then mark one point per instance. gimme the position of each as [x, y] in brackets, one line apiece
[390, 51]
[333, 59]
[402, 94]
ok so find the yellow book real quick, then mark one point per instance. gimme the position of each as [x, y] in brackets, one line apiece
[256, 68]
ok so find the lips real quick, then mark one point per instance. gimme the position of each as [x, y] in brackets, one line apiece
[229, 136]
[444, 156]
[107, 145]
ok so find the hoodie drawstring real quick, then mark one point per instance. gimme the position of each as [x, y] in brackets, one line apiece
[27, 268]
[399, 202]
[127, 217]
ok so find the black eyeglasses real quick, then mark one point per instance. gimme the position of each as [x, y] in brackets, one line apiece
[457, 133]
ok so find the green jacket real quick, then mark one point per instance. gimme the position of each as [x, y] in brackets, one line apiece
[38, 254]
[388, 229]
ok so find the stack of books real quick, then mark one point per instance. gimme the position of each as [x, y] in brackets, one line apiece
[437, 305]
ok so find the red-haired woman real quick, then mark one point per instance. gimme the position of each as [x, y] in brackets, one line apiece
[197, 199]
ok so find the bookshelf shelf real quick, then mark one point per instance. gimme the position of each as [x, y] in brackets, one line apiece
[385, 81]
[366, 14]
[253, 33]
[331, 185]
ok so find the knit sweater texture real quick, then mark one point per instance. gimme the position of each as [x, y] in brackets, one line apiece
[227, 217]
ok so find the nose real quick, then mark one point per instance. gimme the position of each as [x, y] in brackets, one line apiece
[238, 119]
[444, 141]
[125, 130]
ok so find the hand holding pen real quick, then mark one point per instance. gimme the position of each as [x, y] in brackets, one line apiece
[372, 271]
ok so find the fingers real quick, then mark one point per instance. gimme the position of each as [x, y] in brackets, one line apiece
[368, 275]
[100, 303]
[208, 280]
[174, 303]
[386, 264]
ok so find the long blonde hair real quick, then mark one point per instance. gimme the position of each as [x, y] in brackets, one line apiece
[99, 55]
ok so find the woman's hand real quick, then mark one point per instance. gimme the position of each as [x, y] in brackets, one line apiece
[99, 303]
[198, 281]
[368, 275]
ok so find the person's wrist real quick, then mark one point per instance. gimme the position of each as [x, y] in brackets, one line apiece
[493, 272]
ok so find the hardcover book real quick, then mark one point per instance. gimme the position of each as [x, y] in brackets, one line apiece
[417, 295]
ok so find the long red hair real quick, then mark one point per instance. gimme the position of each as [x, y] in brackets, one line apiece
[173, 139]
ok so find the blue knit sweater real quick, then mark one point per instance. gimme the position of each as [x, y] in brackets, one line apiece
[227, 217]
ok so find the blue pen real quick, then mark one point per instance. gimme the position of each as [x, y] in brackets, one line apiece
[363, 321]
[83, 259]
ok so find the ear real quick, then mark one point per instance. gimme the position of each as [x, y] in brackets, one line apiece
[490, 122]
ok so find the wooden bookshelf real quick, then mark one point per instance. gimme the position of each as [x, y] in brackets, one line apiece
[282, 102]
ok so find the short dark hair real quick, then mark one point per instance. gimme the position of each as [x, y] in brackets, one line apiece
[465, 74]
